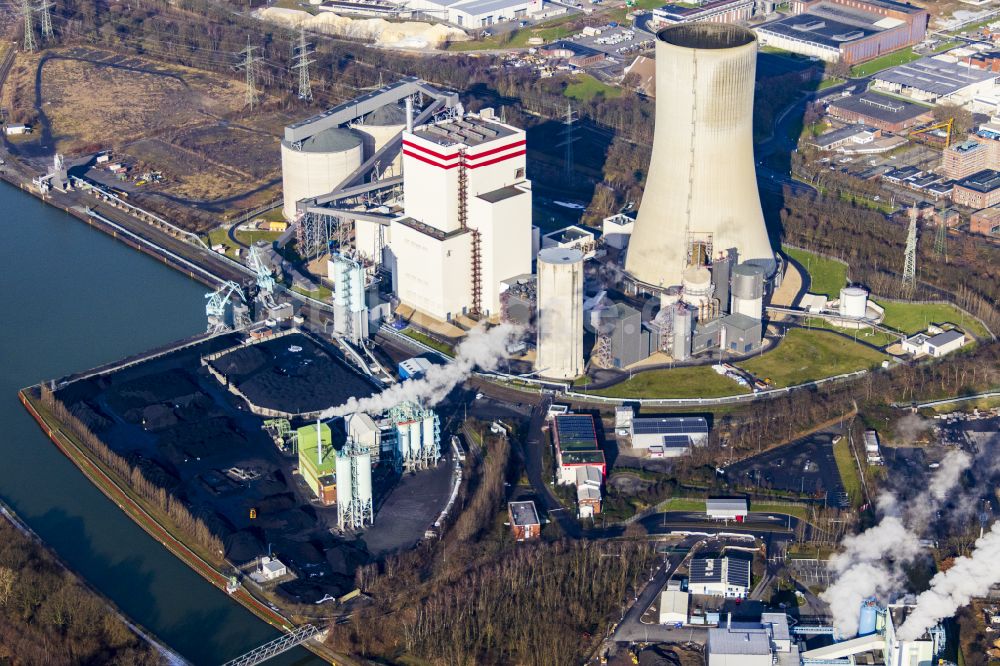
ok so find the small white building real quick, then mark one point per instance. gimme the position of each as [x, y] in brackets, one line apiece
[270, 568]
[727, 508]
[623, 419]
[571, 237]
[872, 451]
[617, 230]
[17, 128]
[926, 344]
[674, 607]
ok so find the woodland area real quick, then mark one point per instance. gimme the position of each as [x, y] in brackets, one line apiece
[48, 617]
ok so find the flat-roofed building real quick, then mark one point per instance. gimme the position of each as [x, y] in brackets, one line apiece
[935, 80]
[725, 576]
[965, 158]
[524, 521]
[880, 111]
[575, 438]
[715, 11]
[674, 607]
[986, 222]
[980, 190]
[850, 31]
[936, 346]
[649, 431]
[727, 508]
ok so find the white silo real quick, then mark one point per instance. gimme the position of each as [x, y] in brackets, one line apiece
[317, 164]
[379, 128]
[560, 314]
[853, 302]
[696, 283]
[701, 194]
[345, 489]
[748, 290]
[364, 494]
[416, 439]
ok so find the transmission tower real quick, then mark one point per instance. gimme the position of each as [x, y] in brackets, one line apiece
[250, 66]
[29, 26]
[45, 11]
[941, 238]
[910, 254]
[568, 140]
[302, 63]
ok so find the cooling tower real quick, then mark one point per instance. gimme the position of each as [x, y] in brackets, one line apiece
[560, 313]
[701, 189]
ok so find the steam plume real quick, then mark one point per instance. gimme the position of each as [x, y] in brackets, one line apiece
[481, 348]
[950, 590]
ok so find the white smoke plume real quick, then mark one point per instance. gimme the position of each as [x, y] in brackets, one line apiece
[481, 348]
[862, 571]
[863, 568]
[950, 590]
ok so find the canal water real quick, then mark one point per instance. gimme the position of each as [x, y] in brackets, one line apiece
[75, 298]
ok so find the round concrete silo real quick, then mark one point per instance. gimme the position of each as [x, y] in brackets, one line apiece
[318, 164]
[701, 185]
[560, 313]
[381, 126]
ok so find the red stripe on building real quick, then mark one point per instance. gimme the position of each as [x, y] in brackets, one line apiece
[499, 159]
[415, 146]
[429, 161]
[494, 151]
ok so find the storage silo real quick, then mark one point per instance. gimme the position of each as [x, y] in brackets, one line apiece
[868, 619]
[697, 285]
[748, 290]
[702, 185]
[853, 302]
[559, 353]
[381, 126]
[427, 444]
[345, 490]
[681, 348]
[318, 164]
[403, 440]
[364, 494]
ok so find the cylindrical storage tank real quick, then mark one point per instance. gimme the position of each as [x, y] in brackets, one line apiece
[853, 302]
[428, 436]
[403, 440]
[317, 165]
[682, 332]
[416, 439]
[560, 313]
[364, 463]
[869, 617]
[381, 126]
[344, 489]
[747, 289]
[701, 179]
[697, 285]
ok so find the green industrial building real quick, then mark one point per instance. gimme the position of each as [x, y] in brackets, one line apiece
[318, 466]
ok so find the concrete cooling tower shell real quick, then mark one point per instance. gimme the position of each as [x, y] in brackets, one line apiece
[701, 183]
[318, 165]
[559, 353]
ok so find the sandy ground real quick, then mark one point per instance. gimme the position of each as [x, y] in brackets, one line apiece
[408, 34]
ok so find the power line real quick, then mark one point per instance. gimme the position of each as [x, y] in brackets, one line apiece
[250, 66]
[302, 63]
[29, 26]
[910, 253]
[44, 9]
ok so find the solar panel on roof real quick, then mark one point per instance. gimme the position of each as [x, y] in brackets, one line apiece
[670, 426]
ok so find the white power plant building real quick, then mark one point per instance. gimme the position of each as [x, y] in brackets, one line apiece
[702, 197]
[560, 314]
[354, 487]
[317, 165]
[466, 223]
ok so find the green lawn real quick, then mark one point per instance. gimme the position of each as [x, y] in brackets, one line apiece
[799, 511]
[686, 382]
[429, 341]
[587, 87]
[251, 237]
[320, 294]
[518, 39]
[914, 317]
[848, 469]
[221, 235]
[806, 355]
[900, 57]
[827, 275]
[829, 83]
[685, 504]
[872, 337]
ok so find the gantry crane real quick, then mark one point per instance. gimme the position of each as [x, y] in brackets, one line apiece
[215, 308]
[265, 279]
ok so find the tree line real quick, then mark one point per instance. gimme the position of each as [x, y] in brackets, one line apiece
[47, 617]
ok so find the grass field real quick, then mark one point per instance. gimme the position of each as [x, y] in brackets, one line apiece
[429, 341]
[251, 237]
[826, 275]
[900, 57]
[848, 469]
[587, 87]
[221, 235]
[685, 504]
[688, 382]
[829, 83]
[518, 39]
[795, 510]
[872, 337]
[914, 317]
[807, 355]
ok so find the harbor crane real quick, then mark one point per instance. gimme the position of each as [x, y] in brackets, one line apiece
[215, 308]
[265, 280]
